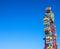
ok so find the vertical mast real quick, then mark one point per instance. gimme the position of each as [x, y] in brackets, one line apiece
[49, 29]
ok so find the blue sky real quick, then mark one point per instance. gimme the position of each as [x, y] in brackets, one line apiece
[21, 23]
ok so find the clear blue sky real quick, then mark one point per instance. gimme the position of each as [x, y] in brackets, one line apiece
[21, 23]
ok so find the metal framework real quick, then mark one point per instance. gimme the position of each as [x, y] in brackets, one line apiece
[49, 29]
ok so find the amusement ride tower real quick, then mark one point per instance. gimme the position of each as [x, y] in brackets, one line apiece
[49, 29]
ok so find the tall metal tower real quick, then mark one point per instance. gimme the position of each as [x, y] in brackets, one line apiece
[49, 29]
